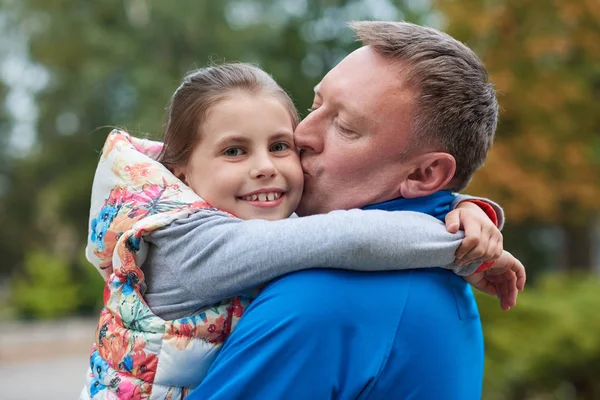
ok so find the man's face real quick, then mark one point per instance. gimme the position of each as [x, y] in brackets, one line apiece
[353, 139]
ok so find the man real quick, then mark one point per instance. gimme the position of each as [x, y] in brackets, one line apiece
[396, 124]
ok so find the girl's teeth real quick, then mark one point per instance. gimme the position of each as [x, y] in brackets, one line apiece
[262, 197]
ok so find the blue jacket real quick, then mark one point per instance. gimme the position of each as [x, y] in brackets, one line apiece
[330, 334]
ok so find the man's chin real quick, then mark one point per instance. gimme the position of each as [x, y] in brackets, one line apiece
[304, 208]
[308, 206]
[301, 211]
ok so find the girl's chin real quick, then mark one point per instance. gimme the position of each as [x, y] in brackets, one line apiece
[270, 214]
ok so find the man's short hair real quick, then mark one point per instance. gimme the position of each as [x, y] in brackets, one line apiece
[455, 103]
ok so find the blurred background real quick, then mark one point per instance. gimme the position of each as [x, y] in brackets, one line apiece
[70, 68]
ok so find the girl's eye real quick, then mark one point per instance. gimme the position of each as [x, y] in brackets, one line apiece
[233, 152]
[278, 147]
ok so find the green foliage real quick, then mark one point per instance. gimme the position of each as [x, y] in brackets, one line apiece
[46, 289]
[117, 63]
[51, 287]
[91, 287]
[548, 346]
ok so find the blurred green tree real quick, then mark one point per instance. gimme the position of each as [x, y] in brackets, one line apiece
[46, 289]
[548, 347]
[117, 63]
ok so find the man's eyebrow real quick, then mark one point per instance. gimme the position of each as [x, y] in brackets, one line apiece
[358, 118]
[353, 117]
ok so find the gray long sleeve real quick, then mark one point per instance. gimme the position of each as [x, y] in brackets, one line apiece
[210, 256]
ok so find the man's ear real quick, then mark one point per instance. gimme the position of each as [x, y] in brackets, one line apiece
[179, 172]
[431, 172]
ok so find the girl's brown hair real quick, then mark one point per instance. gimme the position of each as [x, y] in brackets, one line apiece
[202, 89]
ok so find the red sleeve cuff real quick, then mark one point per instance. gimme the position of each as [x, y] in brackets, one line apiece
[484, 266]
[491, 213]
[488, 209]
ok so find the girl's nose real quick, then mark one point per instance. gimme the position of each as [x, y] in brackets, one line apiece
[266, 169]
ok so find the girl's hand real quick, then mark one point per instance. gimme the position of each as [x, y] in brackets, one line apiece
[483, 240]
[504, 279]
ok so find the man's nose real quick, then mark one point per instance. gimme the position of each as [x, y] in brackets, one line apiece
[263, 168]
[308, 135]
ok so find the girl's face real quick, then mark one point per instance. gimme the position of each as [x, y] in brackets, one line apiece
[245, 162]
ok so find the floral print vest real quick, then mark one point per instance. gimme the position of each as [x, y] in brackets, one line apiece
[136, 354]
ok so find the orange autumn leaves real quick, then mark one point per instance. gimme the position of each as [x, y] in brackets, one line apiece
[544, 58]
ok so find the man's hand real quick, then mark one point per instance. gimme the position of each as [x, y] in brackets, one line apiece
[504, 279]
[483, 240]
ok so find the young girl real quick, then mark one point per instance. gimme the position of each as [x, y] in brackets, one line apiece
[206, 217]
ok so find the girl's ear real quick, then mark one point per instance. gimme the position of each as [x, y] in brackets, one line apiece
[179, 172]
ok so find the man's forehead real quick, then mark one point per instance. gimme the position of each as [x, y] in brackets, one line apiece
[364, 80]
[362, 70]
[371, 91]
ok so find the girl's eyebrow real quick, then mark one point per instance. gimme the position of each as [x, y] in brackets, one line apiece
[282, 135]
[240, 139]
[232, 139]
